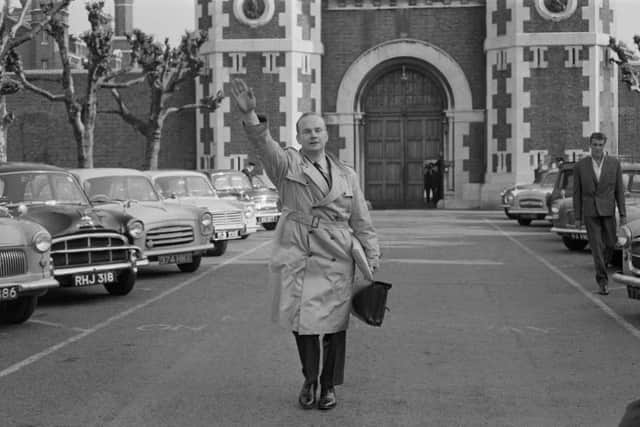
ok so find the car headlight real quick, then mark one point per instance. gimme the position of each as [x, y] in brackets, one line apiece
[135, 228]
[555, 210]
[42, 241]
[249, 211]
[206, 223]
[624, 236]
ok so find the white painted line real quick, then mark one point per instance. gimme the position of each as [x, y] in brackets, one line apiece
[56, 325]
[442, 261]
[50, 350]
[588, 294]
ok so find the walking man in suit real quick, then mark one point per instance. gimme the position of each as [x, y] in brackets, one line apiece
[597, 189]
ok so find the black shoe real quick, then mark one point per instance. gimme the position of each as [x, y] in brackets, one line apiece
[307, 397]
[604, 290]
[327, 399]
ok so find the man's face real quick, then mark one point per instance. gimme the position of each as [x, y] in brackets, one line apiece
[312, 134]
[597, 148]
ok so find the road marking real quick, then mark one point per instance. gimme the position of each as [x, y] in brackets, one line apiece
[588, 294]
[54, 348]
[56, 325]
[173, 328]
[442, 261]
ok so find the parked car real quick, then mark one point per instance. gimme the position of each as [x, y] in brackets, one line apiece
[233, 184]
[562, 189]
[26, 271]
[528, 202]
[575, 239]
[173, 234]
[90, 246]
[231, 219]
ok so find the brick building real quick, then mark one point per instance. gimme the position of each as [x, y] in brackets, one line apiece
[492, 88]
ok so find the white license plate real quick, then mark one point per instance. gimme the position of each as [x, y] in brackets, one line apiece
[267, 219]
[576, 236]
[223, 235]
[9, 293]
[175, 259]
[98, 278]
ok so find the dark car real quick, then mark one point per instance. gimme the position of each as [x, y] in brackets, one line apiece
[562, 189]
[237, 185]
[90, 246]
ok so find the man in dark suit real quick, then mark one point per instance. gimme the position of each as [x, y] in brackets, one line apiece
[429, 181]
[597, 189]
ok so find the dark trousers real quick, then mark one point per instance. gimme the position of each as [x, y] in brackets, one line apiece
[602, 239]
[333, 350]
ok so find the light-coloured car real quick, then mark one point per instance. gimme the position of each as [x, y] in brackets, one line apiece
[232, 184]
[528, 202]
[26, 270]
[231, 219]
[564, 221]
[173, 234]
[90, 246]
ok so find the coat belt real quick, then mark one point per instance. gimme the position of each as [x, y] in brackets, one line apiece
[315, 221]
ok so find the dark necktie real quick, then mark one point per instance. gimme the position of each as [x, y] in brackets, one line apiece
[326, 176]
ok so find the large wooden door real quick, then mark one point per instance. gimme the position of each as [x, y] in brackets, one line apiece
[403, 129]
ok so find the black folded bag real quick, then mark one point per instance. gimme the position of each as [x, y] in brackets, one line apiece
[370, 303]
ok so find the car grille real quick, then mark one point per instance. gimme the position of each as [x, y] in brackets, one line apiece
[227, 219]
[89, 249]
[169, 236]
[12, 262]
[531, 203]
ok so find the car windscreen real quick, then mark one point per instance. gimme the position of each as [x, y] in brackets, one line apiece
[231, 181]
[121, 188]
[37, 187]
[631, 181]
[566, 181]
[549, 179]
[182, 186]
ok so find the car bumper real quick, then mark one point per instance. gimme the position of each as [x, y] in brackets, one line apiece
[532, 211]
[578, 234]
[33, 286]
[152, 253]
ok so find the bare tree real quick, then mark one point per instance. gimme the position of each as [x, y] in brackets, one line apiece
[81, 109]
[12, 35]
[164, 69]
[624, 56]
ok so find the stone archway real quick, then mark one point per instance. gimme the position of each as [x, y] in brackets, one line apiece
[459, 111]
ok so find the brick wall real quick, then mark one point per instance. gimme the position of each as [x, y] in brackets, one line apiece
[42, 133]
[346, 34]
[628, 122]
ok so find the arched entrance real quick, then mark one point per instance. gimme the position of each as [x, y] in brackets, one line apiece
[403, 106]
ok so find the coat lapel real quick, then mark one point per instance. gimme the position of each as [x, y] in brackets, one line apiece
[315, 176]
[338, 177]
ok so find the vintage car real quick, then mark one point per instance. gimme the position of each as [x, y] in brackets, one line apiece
[526, 202]
[575, 239]
[26, 271]
[90, 246]
[173, 234]
[231, 219]
[236, 185]
[562, 189]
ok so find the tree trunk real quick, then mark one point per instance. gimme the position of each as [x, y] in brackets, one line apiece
[152, 150]
[4, 124]
[85, 151]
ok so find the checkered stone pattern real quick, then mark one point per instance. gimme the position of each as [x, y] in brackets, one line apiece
[306, 19]
[500, 14]
[608, 98]
[274, 29]
[500, 110]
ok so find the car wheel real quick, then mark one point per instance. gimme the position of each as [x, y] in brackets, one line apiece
[506, 212]
[219, 248]
[523, 221]
[192, 266]
[573, 244]
[19, 310]
[270, 225]
[244, 237]
[124, 285]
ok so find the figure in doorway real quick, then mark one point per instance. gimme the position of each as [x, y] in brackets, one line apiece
[430, 185]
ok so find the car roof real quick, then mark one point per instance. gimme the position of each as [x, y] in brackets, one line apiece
[174, 172]
[28, 166]
[98, 172]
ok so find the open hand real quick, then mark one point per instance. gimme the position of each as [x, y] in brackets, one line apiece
[243, 96]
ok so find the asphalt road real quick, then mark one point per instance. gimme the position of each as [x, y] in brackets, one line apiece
[491, 324]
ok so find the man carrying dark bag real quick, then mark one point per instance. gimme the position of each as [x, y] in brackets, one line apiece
[312, 266]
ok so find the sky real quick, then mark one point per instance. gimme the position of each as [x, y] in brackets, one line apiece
[170, 18]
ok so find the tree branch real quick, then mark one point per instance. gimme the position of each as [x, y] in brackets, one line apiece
[28, 85]
[127, 115]
[37, 27]
[122, 85]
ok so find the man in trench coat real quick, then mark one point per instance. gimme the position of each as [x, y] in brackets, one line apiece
[312, 267]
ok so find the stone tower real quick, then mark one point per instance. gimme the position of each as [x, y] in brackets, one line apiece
[124, 17]
[274, 45]
[549, 84]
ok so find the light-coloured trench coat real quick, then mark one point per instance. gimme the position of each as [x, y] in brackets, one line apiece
[311, 268]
